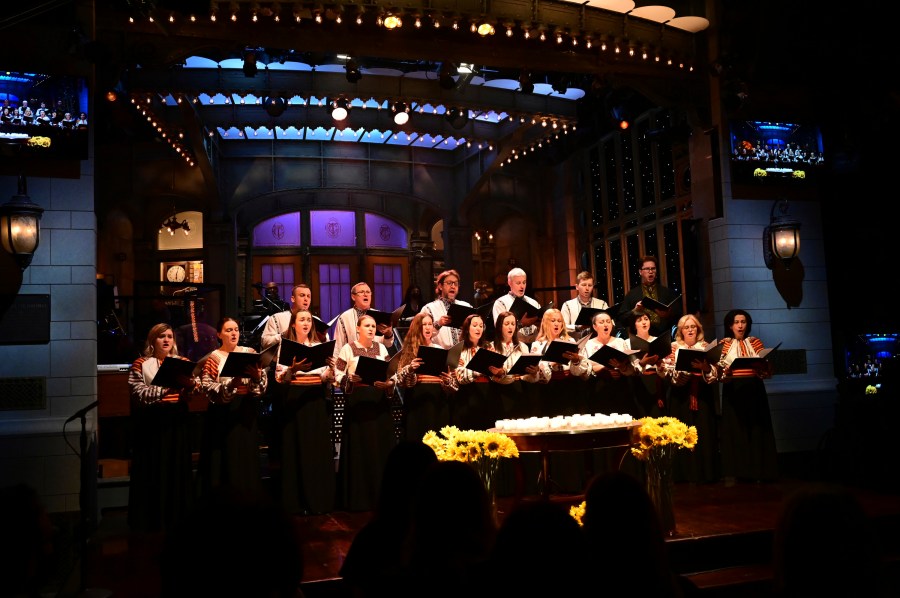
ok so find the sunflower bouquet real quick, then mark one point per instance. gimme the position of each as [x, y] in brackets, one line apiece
[662, 433]
[480, 448]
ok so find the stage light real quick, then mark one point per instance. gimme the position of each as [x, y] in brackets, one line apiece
[445, 76]
[781, 239]
[525, 84]
[353, 72]
[249, 67]
[401, 113]
[339, 108]
[275, 106]
[457, 117]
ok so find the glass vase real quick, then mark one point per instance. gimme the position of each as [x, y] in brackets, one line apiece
[660, 486]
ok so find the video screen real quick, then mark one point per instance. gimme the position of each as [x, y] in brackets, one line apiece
[776, 152]
[43, 116]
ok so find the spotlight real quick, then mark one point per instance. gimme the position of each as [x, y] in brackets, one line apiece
[401, 113]
[457, 117]
[249, 67]
[353, 72]
[339, 108]
[525, 84]
[275, 106]
[445, 75]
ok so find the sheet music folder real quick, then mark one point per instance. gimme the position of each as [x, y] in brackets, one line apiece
[236, 363]
[434, 361]
[316, 354]
[746, 363]
[371, 370]
[483, 359]
[523, 362]
[458, 314]
[661, 346]
[684, 356]
[171, 369]
[651, 303]
[381, 317]
[606, 353]
[555, 350]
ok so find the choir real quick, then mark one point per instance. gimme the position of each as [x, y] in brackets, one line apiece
[336, 420]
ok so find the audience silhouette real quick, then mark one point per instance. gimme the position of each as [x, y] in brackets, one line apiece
[372, 564]
[824, 545]
[625, 540]
[27, 547]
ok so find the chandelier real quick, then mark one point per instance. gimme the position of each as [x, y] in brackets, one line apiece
[171, 224]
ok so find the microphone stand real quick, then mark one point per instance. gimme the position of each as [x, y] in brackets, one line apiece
[87, 519]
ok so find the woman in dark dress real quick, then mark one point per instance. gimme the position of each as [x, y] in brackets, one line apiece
[303, 415]
[161, 489]
[229, 454]
[691, 399]
[474, 408]
[747, 435]
[368, 435]
[649, 390]
[426, 398]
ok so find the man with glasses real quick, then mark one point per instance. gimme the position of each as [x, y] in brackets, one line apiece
[447, 287]
[661, 320]
[345, 327]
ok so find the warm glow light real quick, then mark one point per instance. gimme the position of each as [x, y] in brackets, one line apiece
[392, 22]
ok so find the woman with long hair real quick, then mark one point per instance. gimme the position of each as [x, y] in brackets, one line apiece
[426, 398]
[514, 400]
[161, 490]
[230, 455]
[303, 417]
[473, 407]
[649, 390]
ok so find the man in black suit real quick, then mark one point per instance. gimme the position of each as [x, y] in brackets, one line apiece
[661, 320]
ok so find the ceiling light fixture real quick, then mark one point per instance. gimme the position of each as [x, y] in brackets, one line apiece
[401, 113]
[340, 108]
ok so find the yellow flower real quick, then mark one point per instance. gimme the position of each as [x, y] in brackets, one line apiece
[453, 444]
[871, 390]
[760, 172]
[577, 511]
[798, 174]
[662, 431]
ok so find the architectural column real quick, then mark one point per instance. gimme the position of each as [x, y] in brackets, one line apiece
[421, 269]
[458, 256]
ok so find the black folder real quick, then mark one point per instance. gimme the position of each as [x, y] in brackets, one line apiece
[458, 314]
[371, 370]
[381, 317]
[320, 325]
[746, 363]
[523, 362]
[171, 369]
[316, 354]
[486, 312]
[434, 361]
[586, 315]
[650, 303]
[684, 356]
[661, 346]
[522, 308]
[606, 353]
[236, 363]
[483, 359]
[554, 351]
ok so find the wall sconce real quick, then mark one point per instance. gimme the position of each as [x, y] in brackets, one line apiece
[20, 225]
[781, 238]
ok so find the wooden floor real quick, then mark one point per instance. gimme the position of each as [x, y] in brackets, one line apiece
[723, 541]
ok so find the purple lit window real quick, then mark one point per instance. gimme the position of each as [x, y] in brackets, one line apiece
[388, 287]
[381, 232]
[330, 228]
[334, 289]
[280, 231]
[282, 275]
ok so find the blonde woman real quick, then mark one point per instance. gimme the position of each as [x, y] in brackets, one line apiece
[691, 399]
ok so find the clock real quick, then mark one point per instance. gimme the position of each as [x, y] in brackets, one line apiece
[175, 274]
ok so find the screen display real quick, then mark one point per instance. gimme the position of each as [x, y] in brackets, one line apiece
[43, 116]
[775, 152]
